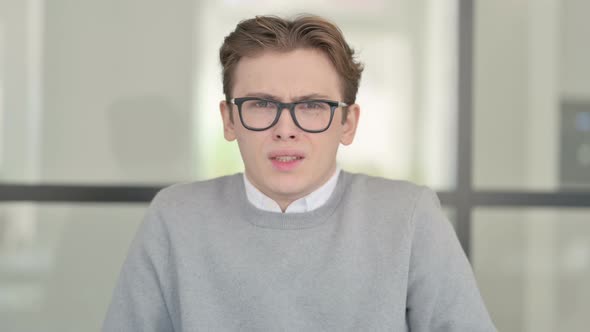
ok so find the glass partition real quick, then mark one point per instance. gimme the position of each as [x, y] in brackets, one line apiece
[59, 263]
[533, 267]
[532, 95]
[114, 92]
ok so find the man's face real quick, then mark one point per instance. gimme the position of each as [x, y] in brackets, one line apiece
[297, 75]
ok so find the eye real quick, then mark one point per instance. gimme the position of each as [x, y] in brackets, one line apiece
[312, 105]
[316, 106]
[262, 104]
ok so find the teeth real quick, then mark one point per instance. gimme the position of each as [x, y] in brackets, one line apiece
[286, 158]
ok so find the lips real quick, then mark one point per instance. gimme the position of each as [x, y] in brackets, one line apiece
[286, 160]
[286, 155]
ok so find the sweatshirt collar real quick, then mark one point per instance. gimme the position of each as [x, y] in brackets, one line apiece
[314, 200]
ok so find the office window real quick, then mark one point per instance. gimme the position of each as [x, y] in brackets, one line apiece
[532, 265]
[59, 262]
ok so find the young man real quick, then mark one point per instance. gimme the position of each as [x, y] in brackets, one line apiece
[294, 243]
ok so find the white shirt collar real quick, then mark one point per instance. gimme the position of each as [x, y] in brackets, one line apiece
[308, 203]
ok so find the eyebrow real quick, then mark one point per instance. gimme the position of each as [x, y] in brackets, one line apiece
[295, 99]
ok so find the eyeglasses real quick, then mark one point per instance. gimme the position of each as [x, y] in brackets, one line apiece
[312, 116]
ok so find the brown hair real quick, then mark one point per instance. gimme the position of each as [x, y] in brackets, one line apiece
[274, 33]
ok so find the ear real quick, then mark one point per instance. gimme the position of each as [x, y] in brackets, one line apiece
[228, 123]
[350, 124]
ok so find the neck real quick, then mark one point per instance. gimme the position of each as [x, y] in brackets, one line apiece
[283, 201]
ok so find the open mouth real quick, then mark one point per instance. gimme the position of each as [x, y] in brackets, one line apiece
[286, 159]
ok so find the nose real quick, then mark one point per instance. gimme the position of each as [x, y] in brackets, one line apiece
[285, 128]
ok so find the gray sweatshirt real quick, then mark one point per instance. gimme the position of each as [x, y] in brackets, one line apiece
[378, 256]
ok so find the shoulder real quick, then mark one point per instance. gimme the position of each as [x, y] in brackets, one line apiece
[384, 190]
[197, 193]
[398, 199]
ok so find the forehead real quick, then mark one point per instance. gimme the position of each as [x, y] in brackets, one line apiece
[287, 75]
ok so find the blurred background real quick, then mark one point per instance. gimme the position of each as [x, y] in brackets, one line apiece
[104, 102]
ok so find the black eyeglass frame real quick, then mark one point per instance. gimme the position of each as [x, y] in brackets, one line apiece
[291, 107]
